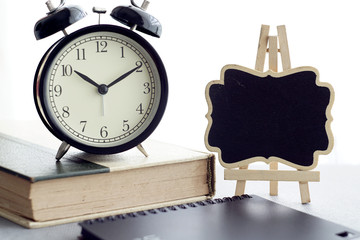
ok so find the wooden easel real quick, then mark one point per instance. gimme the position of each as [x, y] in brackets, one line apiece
[273, 175]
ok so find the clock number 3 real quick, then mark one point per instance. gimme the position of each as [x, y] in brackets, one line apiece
[147, 88]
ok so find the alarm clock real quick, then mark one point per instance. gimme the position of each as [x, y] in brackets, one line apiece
[102, 89]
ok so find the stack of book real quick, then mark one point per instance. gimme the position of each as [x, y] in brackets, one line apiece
[37, 191]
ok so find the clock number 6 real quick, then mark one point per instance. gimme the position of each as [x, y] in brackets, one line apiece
[103, 132]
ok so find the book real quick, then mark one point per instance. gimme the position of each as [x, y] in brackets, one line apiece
[38, 191]
[240, 217]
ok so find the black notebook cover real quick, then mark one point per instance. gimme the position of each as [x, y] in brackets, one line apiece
[240, 217]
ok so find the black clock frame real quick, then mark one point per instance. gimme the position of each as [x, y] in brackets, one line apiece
[44, 65]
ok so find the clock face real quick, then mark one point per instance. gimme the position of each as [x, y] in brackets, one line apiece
[102, 89]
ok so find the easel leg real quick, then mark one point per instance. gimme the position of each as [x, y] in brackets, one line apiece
[240, 184]
[304, 192]
[273, 65]
[261, 53]
[273, 52]
[284, 48]
[274, 185]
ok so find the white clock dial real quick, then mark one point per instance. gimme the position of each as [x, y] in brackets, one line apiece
[101, 89]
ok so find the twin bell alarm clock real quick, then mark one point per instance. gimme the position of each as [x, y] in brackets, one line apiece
[101, 89]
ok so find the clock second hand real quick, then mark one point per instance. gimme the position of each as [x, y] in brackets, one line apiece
[103, 104]
[103, 90]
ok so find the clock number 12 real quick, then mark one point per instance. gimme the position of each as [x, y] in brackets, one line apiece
[101, 46]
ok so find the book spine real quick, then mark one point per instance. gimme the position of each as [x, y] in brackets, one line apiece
[166, 209]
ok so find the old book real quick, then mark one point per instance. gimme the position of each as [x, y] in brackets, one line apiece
[37, 191]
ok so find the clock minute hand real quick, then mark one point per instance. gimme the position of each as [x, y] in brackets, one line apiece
[123, 76]
[87, 79]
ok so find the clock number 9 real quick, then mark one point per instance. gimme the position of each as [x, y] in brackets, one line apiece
[58, 90]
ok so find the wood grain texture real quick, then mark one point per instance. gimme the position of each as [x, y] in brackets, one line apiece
[272, 175]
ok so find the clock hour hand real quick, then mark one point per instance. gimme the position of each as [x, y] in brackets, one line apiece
[87, 79]
[123, 76]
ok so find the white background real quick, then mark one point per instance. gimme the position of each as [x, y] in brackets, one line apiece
[199, 38]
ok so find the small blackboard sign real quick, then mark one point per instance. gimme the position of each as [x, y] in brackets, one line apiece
[268, 116]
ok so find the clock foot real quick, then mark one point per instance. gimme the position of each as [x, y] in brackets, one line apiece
[142, 150]
[64, 147]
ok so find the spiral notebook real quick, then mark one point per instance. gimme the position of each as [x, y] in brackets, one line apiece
[241, 217]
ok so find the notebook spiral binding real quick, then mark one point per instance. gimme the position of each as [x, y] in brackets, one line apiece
[166, 209]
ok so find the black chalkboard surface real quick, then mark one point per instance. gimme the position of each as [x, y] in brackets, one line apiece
[256, 116]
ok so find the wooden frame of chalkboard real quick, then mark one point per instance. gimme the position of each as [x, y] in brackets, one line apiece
[262, 116]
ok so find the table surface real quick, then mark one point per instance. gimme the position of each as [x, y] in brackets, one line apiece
[335, 198]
